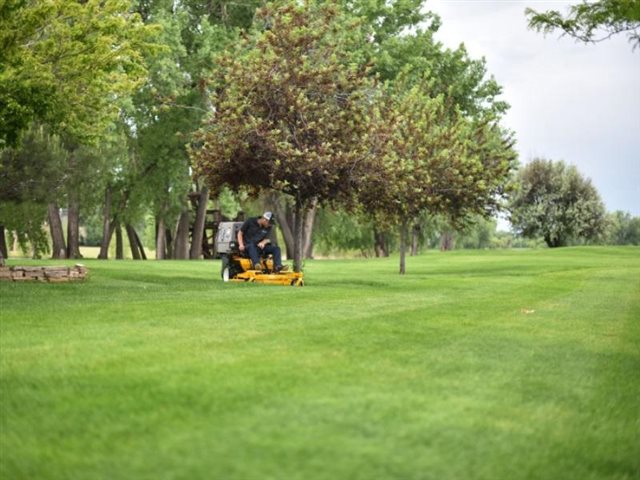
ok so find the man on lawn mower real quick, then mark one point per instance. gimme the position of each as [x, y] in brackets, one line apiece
[253, 240]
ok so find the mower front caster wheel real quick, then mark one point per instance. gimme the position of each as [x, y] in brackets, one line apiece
[225, 272]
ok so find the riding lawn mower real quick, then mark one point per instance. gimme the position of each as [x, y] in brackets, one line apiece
[237, 267]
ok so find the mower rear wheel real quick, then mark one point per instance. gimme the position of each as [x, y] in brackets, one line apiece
[225, 272]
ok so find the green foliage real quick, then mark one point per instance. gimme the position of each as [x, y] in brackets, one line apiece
[160, 175]
[33, 172]
[404, 53]
[451, 72]
[429, 158]
[622, 229]
[338, 231]
[68, 64]
[553, 201]
[290, 108]
[390, 19]
[511, 240]
[170, 106]
[92, 222]
[90, 168]
[231, 203]
[431, 142]
[401, 44]
[41, 170]
[224, 13]
[25, 218]
[482, 234]
[483, 365]
[479, 235]
[592, 22]
[412, 138]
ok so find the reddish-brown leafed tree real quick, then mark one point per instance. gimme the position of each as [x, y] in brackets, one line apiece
[290, 110]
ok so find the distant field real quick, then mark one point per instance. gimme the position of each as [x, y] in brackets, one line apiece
[475, 365]
[92, 252]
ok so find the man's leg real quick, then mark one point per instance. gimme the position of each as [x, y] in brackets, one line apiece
[277, 256]
[252, 251]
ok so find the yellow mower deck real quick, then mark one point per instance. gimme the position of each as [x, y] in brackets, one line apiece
[283, 278]
[266, 275]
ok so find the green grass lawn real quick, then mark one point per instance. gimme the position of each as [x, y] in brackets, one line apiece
[474, 365]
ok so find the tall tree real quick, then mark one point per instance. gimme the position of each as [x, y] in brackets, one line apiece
[592, 22]
[170, 106]
[554, 201]
[32, 184]
[290, 110]
[402, 47]
[85, 57]
[428, 158]
[622, 229]
[66, 63]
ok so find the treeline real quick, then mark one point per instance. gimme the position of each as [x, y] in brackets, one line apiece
[339, 233]
[348, 120]
[100, 102]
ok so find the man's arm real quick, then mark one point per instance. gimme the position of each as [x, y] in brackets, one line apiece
[268, 238]
[241, 240]
[241, 233]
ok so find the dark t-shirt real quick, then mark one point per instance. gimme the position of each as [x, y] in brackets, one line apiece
[253, 232]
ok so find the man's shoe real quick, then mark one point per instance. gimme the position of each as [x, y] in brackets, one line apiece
[282, 268]
[257, 266]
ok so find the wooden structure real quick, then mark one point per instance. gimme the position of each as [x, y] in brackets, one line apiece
[55, 274]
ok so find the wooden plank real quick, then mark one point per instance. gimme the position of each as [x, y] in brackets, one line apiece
[54, 274]
[30, 269]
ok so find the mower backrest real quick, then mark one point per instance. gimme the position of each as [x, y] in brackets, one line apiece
[227, 236]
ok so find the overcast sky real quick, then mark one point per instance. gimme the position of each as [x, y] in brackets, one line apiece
[569, 101]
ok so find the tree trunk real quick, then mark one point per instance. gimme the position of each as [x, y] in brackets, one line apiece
[308, 249]
[181, 246]
[143, 254]
[133, 242]
[119, 243]
[4, 251]
[290, 216]
[447, 240]
[107, 235]
[161, 239]
[554, 242]
[415, 239]
[309, 220]
[380, 243]
[198, 226]
[169, 236]
[298, 237]
[404, 235]
[283, 222]
[73, 230]
[59, 249]
[107, 226]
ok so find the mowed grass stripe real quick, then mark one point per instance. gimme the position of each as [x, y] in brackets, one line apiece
[474, 365]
